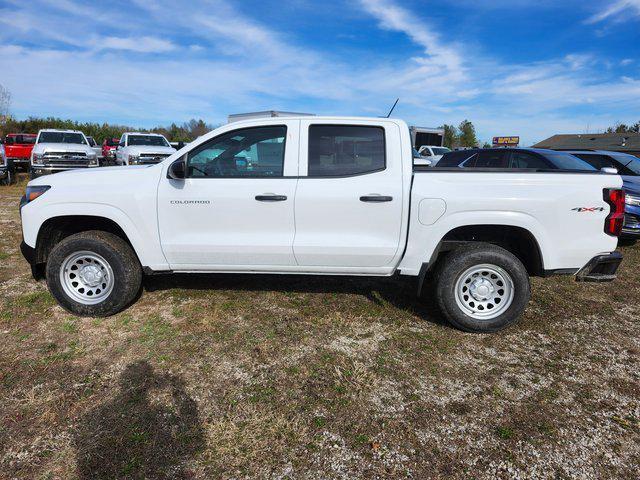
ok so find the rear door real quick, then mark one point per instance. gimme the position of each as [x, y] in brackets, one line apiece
[349, 199]
[235, 208]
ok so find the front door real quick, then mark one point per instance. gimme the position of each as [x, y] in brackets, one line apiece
[235, 208]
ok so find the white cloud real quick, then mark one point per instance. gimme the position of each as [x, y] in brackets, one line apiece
[134, 44]
[619, 10]
[439, 57]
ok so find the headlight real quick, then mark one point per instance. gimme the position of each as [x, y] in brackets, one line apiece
[37, 158]
[33, 192]
[632, 200]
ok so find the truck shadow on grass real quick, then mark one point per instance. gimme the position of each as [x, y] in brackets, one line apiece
[149, 429]
[400, 292]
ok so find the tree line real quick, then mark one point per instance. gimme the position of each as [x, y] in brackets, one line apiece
[624, 128]
[464, 135]
[185, 132]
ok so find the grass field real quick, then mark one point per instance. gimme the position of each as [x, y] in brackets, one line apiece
[291, 377]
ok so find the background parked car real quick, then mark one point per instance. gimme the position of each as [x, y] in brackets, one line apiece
[513, 158]
[628, 167]
[142, 148]
[18, 148]
[433, 153]
[7, 169]
[95, 147]
[58, 150]
[109, 146]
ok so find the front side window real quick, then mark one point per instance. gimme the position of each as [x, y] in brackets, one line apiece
[147, 140]
[250, 152]
[566, 161]
[61, 137]
[342, 150]
[440, 150]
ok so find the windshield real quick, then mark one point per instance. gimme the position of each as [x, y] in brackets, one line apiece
[440, 150]
[21, 139]
[61, 137]
[629, 163]
[566, 161]
[149, 140]
[625, 164]
[111, 142]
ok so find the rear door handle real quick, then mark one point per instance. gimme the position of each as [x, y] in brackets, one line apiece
[375, 198]
[270, 197]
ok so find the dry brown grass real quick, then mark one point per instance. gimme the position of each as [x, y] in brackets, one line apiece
[288, 377]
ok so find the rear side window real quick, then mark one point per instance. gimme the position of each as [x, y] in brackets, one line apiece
[527, 160]
[491, 159]
[342, 150]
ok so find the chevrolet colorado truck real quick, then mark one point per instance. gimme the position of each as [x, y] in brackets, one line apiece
[142, 149]
[18, 148]
[323, 196]
[60, 150]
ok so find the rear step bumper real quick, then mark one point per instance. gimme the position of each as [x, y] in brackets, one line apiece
[602, 268]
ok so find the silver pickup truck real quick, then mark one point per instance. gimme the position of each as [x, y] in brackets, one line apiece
[59, 150]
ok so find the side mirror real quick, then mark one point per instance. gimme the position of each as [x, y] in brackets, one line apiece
[176, 170]
[610, 170]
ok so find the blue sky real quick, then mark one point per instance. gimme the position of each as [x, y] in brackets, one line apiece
[513, 67]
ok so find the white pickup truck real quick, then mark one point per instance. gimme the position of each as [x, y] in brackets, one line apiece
[321, 195]
[142, 148]
[59, 150]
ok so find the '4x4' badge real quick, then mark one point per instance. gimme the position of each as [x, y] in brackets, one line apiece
[588, 209]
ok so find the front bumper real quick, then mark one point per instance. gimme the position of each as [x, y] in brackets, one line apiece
[29, 253]
[601, 268]
[19, 162]
[631, 227]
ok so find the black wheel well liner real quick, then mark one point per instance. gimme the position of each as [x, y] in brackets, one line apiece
[56, 229]
[517, 240]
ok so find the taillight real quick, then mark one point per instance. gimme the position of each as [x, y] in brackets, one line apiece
[615, 220]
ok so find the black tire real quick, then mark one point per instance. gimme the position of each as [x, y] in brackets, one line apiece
[460, 261]
[127, 272]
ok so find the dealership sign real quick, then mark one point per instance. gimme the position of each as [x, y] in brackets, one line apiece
[506, 141]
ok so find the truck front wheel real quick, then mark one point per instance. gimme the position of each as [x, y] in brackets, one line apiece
[482, 288]
[93, 273]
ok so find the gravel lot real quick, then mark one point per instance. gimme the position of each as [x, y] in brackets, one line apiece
[289, 377]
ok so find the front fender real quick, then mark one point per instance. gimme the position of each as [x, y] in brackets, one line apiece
[142, 234]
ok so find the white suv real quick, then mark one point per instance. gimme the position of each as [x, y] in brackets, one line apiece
[142, 149]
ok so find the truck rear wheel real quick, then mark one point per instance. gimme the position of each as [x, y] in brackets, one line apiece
[482, 288]
[93, 273]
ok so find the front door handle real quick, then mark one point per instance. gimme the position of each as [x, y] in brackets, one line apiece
[375, 198]
[270, 197]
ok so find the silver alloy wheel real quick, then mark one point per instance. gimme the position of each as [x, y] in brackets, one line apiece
[484, 291]
[86, 277]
